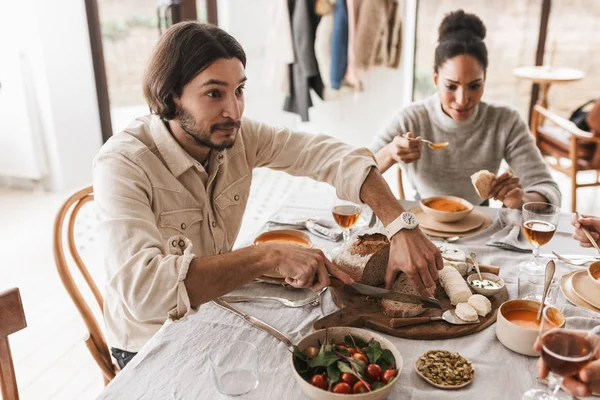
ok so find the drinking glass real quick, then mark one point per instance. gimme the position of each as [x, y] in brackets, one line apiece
[346, 214]
[234, 367]
[565, 350]
[539, 225]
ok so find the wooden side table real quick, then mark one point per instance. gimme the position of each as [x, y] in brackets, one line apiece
[545, 76]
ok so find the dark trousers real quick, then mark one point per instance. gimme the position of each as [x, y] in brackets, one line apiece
[123, 357]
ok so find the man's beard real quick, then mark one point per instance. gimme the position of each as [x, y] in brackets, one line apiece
[201, 137]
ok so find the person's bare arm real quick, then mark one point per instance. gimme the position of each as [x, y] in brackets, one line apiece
[411, 251]
[214, 276]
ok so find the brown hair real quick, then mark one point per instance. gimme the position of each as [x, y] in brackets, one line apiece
[185, 50]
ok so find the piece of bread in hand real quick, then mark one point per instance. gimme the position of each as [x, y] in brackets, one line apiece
[482, 181]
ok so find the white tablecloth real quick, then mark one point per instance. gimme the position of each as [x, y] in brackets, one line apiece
[174, 364]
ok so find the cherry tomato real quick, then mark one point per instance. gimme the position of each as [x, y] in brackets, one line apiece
[343, 388]
[311, 352]
[359, 387]
[374, 371]
[348, 378]
[342, 347]
[318, 380]
[388, 375]
[361, 357]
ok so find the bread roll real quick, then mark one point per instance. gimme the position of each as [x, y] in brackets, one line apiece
[465, 312]
[481, 304]
[455, 257]
[482, 181]
[461, 267]
[454, 285]
[453, 253]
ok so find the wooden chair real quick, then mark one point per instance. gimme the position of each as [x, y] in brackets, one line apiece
[12, 319]
[559, 138]
[95, 341]
[401, 195]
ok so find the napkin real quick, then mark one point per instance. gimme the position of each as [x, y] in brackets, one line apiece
[510, 237]
[318, 224]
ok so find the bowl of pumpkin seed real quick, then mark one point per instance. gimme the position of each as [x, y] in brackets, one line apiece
[444, 369]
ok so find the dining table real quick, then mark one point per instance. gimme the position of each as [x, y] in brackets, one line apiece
[175, 364]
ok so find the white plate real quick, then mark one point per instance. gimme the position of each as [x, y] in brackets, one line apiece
[584, 287]
[566, 287]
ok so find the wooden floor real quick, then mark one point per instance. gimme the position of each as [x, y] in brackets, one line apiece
[51, 359]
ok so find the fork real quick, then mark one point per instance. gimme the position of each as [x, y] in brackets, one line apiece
[577, 263]
[314, 301]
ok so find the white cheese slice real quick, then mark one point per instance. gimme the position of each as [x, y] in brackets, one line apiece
[465, 312]
[481, 304]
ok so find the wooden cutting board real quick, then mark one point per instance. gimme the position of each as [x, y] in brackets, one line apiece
[360, 311]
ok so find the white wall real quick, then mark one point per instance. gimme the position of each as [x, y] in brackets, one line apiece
[53, 35]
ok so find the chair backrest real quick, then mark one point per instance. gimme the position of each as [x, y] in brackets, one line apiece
[95, 341]
[401, 195]
[12, 319]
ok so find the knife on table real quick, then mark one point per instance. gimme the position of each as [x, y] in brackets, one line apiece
[572, 256]
[255, 321]
[367, 290]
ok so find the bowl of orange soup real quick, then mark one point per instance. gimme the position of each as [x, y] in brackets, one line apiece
[517, 327]
[283, 236]
[446, 208]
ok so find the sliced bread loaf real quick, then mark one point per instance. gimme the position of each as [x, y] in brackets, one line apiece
[397, 309]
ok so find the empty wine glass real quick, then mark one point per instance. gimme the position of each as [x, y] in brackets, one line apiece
[565, 350]
[234, 367]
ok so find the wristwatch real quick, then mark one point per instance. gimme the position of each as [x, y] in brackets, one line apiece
[406, 220]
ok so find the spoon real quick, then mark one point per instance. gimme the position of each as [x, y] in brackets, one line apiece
[550, 268]
[476, 264]
[435, 146]
[451, 239]
[587, 234]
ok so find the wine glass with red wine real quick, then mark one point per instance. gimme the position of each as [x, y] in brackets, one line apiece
[565, 350]
[539, 225]
[346, 214]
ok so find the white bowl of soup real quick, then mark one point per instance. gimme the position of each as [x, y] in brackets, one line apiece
[446, 208]
[284, 236]
[517, 327]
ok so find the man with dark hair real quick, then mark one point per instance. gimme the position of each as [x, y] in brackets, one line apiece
[171, 190]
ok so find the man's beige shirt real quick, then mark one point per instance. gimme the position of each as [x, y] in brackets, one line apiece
[159, 208]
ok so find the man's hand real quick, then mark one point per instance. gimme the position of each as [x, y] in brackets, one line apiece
[593, 226]
[508, 189]
[414, 254]
[304, 268]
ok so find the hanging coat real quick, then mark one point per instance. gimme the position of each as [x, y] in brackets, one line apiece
[304, 73]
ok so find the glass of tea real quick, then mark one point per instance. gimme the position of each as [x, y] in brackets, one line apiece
[565, 350]
[539, 225]
[346, 214]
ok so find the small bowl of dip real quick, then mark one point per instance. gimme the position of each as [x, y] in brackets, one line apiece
[517, 327]
[593, 271]
[446, 208]
[488, 286]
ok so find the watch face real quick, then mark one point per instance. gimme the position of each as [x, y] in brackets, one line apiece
[409, 218]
